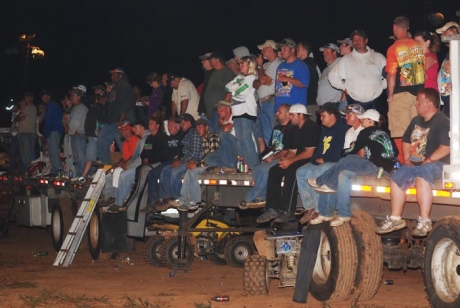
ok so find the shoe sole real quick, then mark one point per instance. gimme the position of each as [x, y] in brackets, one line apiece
[396, 228]
[325, 191]
[312, 222]
[421, 235]
[338, 223]
[312, 184]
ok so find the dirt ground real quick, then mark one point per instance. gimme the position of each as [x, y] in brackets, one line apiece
[29, 281]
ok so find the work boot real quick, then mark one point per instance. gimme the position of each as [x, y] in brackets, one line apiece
[284, 217]
[267, 216]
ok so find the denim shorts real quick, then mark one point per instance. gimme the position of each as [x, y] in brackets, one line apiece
[405, 176]
[91, 149]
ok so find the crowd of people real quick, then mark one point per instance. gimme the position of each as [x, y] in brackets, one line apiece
[287, 120]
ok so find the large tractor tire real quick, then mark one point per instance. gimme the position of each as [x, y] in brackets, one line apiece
[152, 250]
[335, 269]
[94, 235]
[169, 251]
[237, 250]
[62, 216]
[442, 263]
[370, 256]
[255, 278]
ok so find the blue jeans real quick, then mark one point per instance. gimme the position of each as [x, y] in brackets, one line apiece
[267, 119]
[365, 105]
[244, 143]
[107, 134]
[260, 177]
[78, 144]
[125, 182]
[170, 181]
[225, 156]
[213, 122]
[338, 177]
[13, 154]
[27, 149]
[405, 176]
[54, 140]
[154, 186]
[308, 195]
[191, 190]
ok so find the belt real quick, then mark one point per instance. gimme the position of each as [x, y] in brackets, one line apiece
[266, 98]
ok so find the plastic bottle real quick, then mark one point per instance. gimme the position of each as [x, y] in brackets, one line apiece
[42, 254]
[238, 164]
[223, 298]
[241, 165]
[59, 174]
[388, 282]
[70, 174]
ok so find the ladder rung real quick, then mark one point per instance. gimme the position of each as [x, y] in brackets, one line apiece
[72, 233]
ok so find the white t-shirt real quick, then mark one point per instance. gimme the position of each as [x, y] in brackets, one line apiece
[243, 95]
[351, 136]
[270, 71]
[186, 90]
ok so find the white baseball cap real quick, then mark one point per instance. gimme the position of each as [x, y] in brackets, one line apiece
[298, 108]
[372, 114]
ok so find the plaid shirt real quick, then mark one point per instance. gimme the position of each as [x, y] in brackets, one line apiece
[192, 147]
[210, 144]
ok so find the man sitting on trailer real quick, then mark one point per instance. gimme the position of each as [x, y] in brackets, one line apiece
[426, 148]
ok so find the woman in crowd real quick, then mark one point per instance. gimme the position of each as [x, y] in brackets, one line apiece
[430, 44]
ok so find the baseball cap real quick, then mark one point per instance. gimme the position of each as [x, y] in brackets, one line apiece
[447, 26]
[298, 108]
[346, 41]
[77, 91]
[230, 61]
[188, 117]
[240, 52]
[141, 122]
[46, 92]
[81, 88]
[329, 107]
[205, 56]
[224, 103]
[372, 114]
[359, 32]
[355, 108]
[331, 46]
[109, 84]
[268, 43]
[118, 70]
[217, 54]
[126, 126]
[288, 42]
[202, 121]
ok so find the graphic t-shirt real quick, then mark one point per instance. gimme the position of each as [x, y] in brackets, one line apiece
[378, 147]
[286, 92]
[331, 142]
[444, 79]
[406, 59]
[426, 137]
[155, 148]
[278, 137]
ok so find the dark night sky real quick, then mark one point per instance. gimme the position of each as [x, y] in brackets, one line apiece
[84, 39]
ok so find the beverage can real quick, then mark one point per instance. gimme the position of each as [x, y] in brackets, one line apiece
[388, 282]
[246, 168]
[42, 253]
[380, 173]
[223, 298]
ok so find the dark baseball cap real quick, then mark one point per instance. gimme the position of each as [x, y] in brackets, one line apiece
[359, 32]
[329, 107]
[218, 55]
[201, 121]
[188, 117]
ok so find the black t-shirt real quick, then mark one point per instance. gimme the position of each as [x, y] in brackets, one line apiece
[378, 147]
[312, 90]
[155, 147]
[304, 137]
[174, 147]
[93, 115]
[425, 137]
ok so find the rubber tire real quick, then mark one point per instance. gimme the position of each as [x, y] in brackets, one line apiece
[94, 234]
[237, 250]
[218, 257]
[168, 251]
[151, 250]
[370, 256]
[442, 283]
[255, 278]
[62, 217]
[336, 283]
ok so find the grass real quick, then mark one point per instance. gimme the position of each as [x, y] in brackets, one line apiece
[201, 305]
[143, 303]
[8, 284]
[52, 298]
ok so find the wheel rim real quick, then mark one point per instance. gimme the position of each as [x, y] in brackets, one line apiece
[56, 225]
[94, 230]
[323, 263]
[241, 252]
[445, 270]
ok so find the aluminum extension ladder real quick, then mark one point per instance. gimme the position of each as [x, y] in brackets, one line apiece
[80, 223]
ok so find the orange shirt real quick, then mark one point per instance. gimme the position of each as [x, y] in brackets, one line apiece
[129, 147]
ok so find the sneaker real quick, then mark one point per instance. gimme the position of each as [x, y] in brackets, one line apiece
[81, 179]
[243, 205]
[194, 206]
[113, 209]
[390, 225]
[339, 221]
[312, 182]
[325, 190]
[284, 217]
[174, 203]
[267, 216]
[162, 206]
[320, 219]
[122, 208]
[424, 226]
[256, 203]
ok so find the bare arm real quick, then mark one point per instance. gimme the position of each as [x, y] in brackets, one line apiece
[391, 82]
[293, 81]
[439, 153]
[183, 106]
[286, 162]
[173, 109]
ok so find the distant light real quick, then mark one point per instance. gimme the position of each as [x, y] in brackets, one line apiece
[9, 108]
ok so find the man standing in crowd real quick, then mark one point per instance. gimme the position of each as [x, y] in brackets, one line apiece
[426, 148]
[27, 131]
[118, 109]
[406, 75]
[359, 74]
[292, 77]
[304, 53]
[346, 46]
[77, 131]
[184, 97]
[301, 147]
[53, 131]
[326, 93]
[215, 89]
[265, 86]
